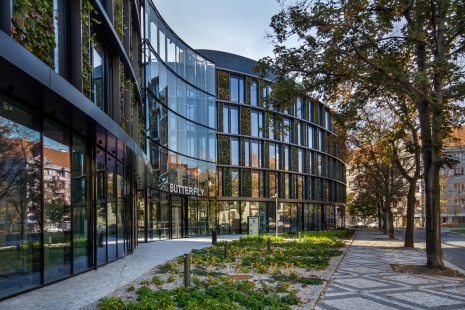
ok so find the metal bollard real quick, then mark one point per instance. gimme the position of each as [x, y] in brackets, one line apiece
[225, 249]
[187, 270]
[269, 244]
[214, 239]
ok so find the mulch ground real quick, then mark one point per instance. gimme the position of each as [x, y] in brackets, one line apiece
[424, 271]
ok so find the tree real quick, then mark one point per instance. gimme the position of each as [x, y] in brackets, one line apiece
[363, 206]
[354, 51]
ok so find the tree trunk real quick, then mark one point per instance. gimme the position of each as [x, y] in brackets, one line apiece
[409, 230]
[384, 221]
[391, 223]
[380, 226]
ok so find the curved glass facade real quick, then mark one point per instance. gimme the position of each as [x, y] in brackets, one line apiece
[301, 166]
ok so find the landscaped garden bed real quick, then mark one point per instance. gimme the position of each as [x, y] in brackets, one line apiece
[251, 277]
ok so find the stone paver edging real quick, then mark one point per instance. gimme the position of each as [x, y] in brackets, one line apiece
[320, 288]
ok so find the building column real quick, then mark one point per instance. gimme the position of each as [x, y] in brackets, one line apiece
[6, 13]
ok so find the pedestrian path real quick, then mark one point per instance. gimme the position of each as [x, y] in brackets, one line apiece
[82, 290]
[365, 280]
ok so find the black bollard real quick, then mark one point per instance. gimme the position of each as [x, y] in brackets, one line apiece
[187, 270]
[225, 249]
[214, 239]
[269, 244]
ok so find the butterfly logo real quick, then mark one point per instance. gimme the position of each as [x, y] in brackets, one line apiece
[162, 183]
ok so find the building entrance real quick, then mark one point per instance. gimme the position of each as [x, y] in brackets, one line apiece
[178, 222]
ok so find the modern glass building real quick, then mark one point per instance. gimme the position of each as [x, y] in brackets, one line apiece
[113, 132]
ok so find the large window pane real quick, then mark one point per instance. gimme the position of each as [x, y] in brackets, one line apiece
[235, 151]
[234, 120]
[20, 203]
[80, 214]
[57, 203]
[254, 93]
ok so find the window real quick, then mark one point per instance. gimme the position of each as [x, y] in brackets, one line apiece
[301, 160]
[97, 76]
[256, 120]
[310, 137]
[298, 108]
[287, 130]
[459, 186]
[299, 134]
[254, 93]
[272, 156]
[234, 151]
[458, 171]
[247, 153]
[230, 119]
[256, 153]
[236, 89]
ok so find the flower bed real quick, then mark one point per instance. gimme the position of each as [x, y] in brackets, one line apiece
[281, 278]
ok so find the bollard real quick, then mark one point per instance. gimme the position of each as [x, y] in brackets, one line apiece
[50, 240]
[214, 239]
[269, 244]
[225, 249]
[299, 235]
[187, 270]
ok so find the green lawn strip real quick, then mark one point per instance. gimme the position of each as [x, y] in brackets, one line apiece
[212, 290]
[459, 231]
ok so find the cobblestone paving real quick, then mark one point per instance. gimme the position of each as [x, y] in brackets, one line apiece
[82, 290]
[365, 280]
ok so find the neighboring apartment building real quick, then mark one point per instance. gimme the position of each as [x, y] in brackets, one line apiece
[113, 131]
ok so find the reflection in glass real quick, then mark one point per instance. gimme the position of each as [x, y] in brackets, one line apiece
[203, 217]
[120, 211]
[80, 216]
[235, 152]
[235, 216]
[234, 120]
[101, 234]
[192, 216]
[223, 217]
[57, 203]
[235, 182]
[254, 93]
[20, 203]
[245, 213]
[97, 87]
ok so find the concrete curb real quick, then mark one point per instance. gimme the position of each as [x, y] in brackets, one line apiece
[454, 233]
[320, 288]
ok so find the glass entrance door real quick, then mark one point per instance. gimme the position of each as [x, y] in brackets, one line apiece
[178, 209]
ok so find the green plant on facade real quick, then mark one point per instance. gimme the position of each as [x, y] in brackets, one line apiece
[317, 189]
[245, 121]
[267, 154]
[220, 117]
[243, 151]
[246, 176]
[224, 150]
[261, 89]
[33, 28]
[227, 182]
[295, 158]
[122, 90]
[296, 132]
[223, 85]
[118, 18]
[283, 186]
[87, 43]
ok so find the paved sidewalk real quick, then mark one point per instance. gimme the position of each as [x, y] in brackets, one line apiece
[82, 290]
[365, 280]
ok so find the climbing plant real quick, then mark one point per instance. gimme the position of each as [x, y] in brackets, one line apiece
[248, 84]
[118, 18]
[122, 90]
[296, 132]
[295, 158]
[310, 188]
[87, 42]
[33, 28]
[223, 85]
[267, 154]
[317, 189]
[246, 188]
[227, 182]
[224, 150]
[243, 151]
[220, 117]
[245, 120]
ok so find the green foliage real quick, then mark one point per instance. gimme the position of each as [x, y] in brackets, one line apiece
[224, 145]
[87, 42]
[295, 158]
[111, 303]
[293, 278]
[246, 183]
[227, 182]
[157, 281]
[171, 278]
[267, 153]
[245, 120]
[118, 18]
[223, 85]
[33, 28]
[144, 282]
[220, 117]
[243, 151]
[122, 90]
[131, 288]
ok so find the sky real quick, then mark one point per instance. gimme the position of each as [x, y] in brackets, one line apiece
[233, 26]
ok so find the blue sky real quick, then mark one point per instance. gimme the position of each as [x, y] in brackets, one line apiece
[234, 26]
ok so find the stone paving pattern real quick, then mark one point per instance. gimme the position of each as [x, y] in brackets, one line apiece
[82, 290]
[365, 280]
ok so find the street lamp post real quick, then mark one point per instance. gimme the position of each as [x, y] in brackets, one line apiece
[276, 215]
